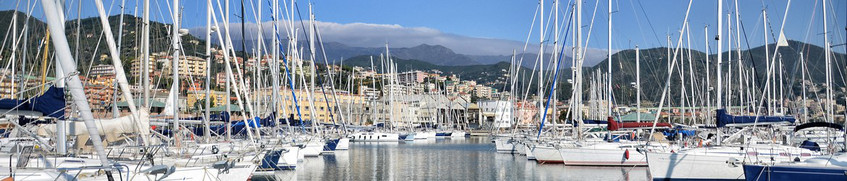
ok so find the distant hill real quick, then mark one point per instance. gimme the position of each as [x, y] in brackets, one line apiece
[654, 63]
[90, 42]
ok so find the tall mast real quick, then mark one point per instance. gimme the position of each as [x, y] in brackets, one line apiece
[729, 90]
[258, 64]
[578, 81]
[609, 58]
[719, 74]
[61, 125]
[638, 83]
[830, 111]
[738, 55]
[206, 131]
[66, 62]
[274, 65]
[13, 57]
[768, 62]
[541, 67]
[708, 76]
[555, 59]
[228, 72]
[803, 86]
[145, 51]
[120, 76]
[781, 95]
[175, 71]
[121, 27]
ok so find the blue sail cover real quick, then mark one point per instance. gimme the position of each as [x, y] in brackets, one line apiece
[51, 103]
[724, 119]
[236, 126]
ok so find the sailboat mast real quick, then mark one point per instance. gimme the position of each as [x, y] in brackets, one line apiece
[275, 63]
[66, 62]
[719, 74]
[803, 86]
[729, 90]
[830, 111]
[609, 58]
[638, 83]
[708, 76]
[145, 51]
[175, 71]
[14, 52]
[555, 59]
[120, 75]
[228, 85]
[206, 130]
[61, 125]
[578, 81]
[541, 67]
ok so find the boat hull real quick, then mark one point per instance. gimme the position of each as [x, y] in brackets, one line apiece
[667, 166]
[545, 154]
[504, 146]
[602, 157]
[779, 173]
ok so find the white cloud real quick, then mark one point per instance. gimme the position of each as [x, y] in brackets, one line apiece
[376, 35]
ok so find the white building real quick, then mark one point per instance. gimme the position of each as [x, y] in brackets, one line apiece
[496, 113]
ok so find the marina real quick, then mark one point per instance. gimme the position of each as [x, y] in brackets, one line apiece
[273, 90]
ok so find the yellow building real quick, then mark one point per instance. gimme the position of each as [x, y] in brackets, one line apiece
[321, 108]
[218, 98]
[188, 66]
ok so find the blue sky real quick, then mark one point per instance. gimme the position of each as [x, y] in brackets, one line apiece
[509, 20]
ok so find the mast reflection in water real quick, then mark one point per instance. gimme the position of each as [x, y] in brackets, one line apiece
[442, 159]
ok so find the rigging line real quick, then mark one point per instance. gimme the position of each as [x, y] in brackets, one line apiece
[749, 52]
[555, 76]
[290, 80]
[649, 22]
[329, 71]
[526, 44]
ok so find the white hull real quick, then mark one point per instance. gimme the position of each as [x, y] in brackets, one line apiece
[692, 166]
[529, 154]
[312, 149]
[721, 162]
[504, 146]
[289, 159]
[602, 157]
[343, 144]
[520, 148]
[425, 135]
[457, 135]
[545, 154]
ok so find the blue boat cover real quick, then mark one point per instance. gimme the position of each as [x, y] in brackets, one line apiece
[724, 119]
[811, 145]
[237, 126]
[819, 124]
[50, 103]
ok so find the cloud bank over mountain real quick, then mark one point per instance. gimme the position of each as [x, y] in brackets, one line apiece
[369, 35]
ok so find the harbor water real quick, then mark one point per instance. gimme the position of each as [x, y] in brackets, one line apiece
[472, 158]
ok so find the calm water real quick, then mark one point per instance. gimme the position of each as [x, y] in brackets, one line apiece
[443, 159]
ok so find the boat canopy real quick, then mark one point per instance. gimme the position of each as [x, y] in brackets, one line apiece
[724, 119]
[819, 124]
[614, 125]
[50, 103]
